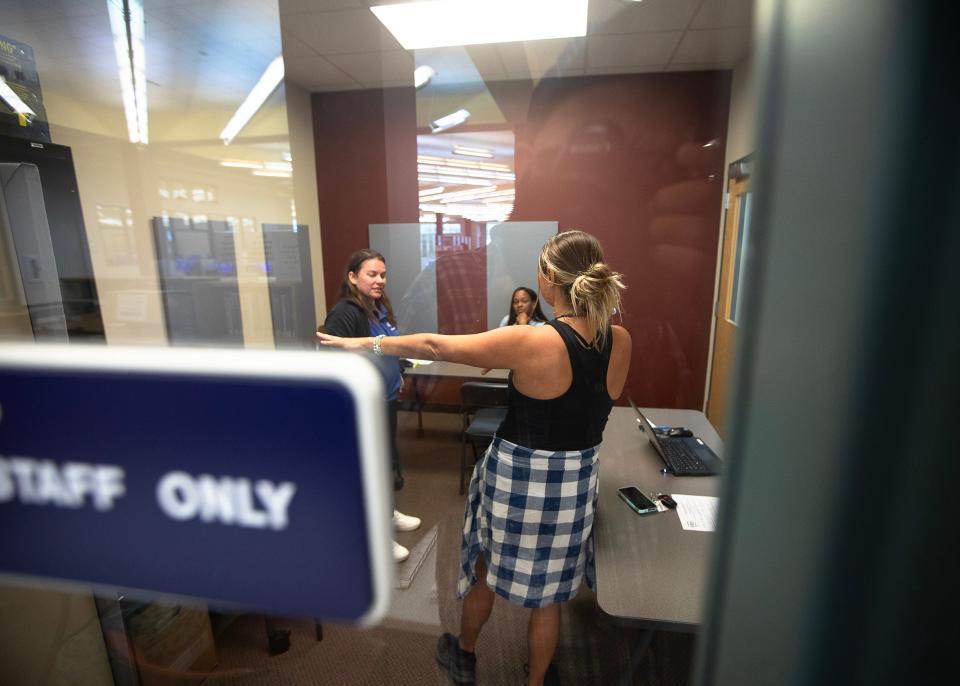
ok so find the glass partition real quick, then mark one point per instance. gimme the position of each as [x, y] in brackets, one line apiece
[196, 174]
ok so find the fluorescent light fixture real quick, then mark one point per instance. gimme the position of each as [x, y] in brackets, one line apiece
[452, 180]
[12, 99]
[422, 76]
[467, 164]
[126, 25]
[268, 82]
[468, 194]
[472, 152]
[449, 121]
[443, 23]
[278, 166]
[431, 191]
[241, 164]
[488, 174]
[270, 172]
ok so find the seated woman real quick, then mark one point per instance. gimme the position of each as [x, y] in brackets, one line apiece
[524, 309]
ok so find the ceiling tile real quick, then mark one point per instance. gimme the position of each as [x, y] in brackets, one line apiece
[78, 8]
[344, 31]
[396, 83]
[315, 73]
[486, 59]
[306, 6]
[294, 47]
[538, 58]
[646, 69]
[616, 16]
[635, 49]
[231, 14]
[30, 12]
[552, 74]
[377, 67]
[714, 46]
[55, 39]
[455, 66]
[722, 14]
[699, 67]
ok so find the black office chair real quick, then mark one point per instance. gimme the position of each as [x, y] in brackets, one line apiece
[482, 409]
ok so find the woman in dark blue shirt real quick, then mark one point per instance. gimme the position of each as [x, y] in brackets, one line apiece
[364, 310]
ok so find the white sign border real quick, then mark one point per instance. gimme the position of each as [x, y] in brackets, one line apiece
[357, 374]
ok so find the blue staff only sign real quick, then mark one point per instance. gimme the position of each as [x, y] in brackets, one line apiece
[246, 479]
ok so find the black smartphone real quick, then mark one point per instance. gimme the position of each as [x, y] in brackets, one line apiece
[637, 501]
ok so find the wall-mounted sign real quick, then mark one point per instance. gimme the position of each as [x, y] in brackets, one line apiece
[250, 479]
[21, 101]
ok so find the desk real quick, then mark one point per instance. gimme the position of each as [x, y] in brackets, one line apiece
[649, 570]
[446, 369]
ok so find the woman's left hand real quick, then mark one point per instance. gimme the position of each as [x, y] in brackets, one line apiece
[353, 344]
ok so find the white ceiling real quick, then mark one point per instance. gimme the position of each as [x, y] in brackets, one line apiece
[204, 56]
[201, 52]
[339, 44]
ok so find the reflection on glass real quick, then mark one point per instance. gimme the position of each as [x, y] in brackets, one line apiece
[116, 232]
[743, 245]
[194, 241]
[468, 175]
[286, 250]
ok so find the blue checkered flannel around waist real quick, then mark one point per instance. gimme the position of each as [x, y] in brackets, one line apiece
[530, 514]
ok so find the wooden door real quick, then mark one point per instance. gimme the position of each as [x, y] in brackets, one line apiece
[727, 310]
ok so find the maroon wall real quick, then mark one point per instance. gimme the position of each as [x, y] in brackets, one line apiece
[623, 157]
[366, 151]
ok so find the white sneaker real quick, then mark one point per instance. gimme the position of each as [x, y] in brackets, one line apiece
[402, 522]
[399, 552]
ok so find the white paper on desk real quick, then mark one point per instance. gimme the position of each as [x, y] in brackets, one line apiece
[697, 512]
[421, 363]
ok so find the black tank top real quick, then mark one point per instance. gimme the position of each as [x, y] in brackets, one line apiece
[574, 420]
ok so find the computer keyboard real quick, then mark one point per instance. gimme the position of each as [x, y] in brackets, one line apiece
[680, 459]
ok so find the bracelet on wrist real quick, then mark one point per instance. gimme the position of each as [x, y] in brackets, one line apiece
[376, 344]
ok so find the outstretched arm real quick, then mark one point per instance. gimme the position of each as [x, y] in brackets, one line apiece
[502, 348]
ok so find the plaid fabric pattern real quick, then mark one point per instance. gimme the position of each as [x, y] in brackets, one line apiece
[530, 513]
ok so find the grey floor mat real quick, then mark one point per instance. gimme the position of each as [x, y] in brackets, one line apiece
[407, 570]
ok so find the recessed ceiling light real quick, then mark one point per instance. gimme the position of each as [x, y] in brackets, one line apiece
[14, 101]
[472, 152]
[268, 82]
[422, 76]
[277, 174]
[127, 27]
[449, 121]
[279, 166]
[441, 23]
[240, 164]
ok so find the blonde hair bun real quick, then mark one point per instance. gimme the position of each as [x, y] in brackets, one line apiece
[575, 259]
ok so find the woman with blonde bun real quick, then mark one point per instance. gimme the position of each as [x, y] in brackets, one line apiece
[530, 509]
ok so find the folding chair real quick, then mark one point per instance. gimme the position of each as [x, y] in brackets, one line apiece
[482, 409]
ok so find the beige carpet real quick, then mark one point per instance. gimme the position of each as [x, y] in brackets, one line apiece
[593, 648]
